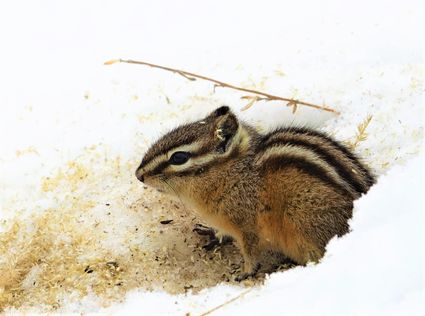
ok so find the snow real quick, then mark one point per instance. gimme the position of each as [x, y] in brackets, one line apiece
[66, 115]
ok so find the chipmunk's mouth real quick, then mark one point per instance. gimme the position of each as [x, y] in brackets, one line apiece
[154, 182]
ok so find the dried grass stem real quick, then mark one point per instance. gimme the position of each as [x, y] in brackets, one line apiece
[192, 76]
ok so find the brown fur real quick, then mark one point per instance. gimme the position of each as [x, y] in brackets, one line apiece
[265, 202]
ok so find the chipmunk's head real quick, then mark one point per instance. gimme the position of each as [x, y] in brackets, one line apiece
[191, 150]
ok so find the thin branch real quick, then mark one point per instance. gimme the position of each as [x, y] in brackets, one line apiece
[218, 83]
[227, 302]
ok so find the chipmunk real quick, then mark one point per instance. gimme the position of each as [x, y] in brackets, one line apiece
[290, 190]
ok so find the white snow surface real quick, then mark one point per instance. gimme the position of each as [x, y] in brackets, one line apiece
[361, 58]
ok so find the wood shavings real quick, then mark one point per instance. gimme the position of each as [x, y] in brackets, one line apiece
[85, 245]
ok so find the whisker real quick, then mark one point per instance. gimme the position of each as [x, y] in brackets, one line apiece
[175, 192]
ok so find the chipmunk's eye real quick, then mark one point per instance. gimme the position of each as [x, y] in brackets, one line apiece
[179, 158]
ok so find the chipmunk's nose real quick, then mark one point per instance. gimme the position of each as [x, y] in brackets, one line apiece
[139, 175]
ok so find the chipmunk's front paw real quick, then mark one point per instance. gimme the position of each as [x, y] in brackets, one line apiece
[216, 238]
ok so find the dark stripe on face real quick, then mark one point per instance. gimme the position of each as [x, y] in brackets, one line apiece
[151, 155]
[369, 179]
[163, 165]
[200, 169]
[326, 156]
[280, 162]
[158, 169]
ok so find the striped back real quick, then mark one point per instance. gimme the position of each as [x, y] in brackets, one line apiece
[317, 154]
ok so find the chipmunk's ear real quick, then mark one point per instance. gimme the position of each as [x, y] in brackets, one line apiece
[222, 110]
[225, 127]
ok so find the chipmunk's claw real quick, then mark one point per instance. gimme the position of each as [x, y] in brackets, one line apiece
[204, 230]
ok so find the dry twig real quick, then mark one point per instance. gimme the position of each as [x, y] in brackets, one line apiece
[217, 83]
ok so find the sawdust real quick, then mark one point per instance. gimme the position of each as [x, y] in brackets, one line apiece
[104, 236]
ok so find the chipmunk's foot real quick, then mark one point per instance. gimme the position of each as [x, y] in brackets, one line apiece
[283, 262]
[246, 275]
